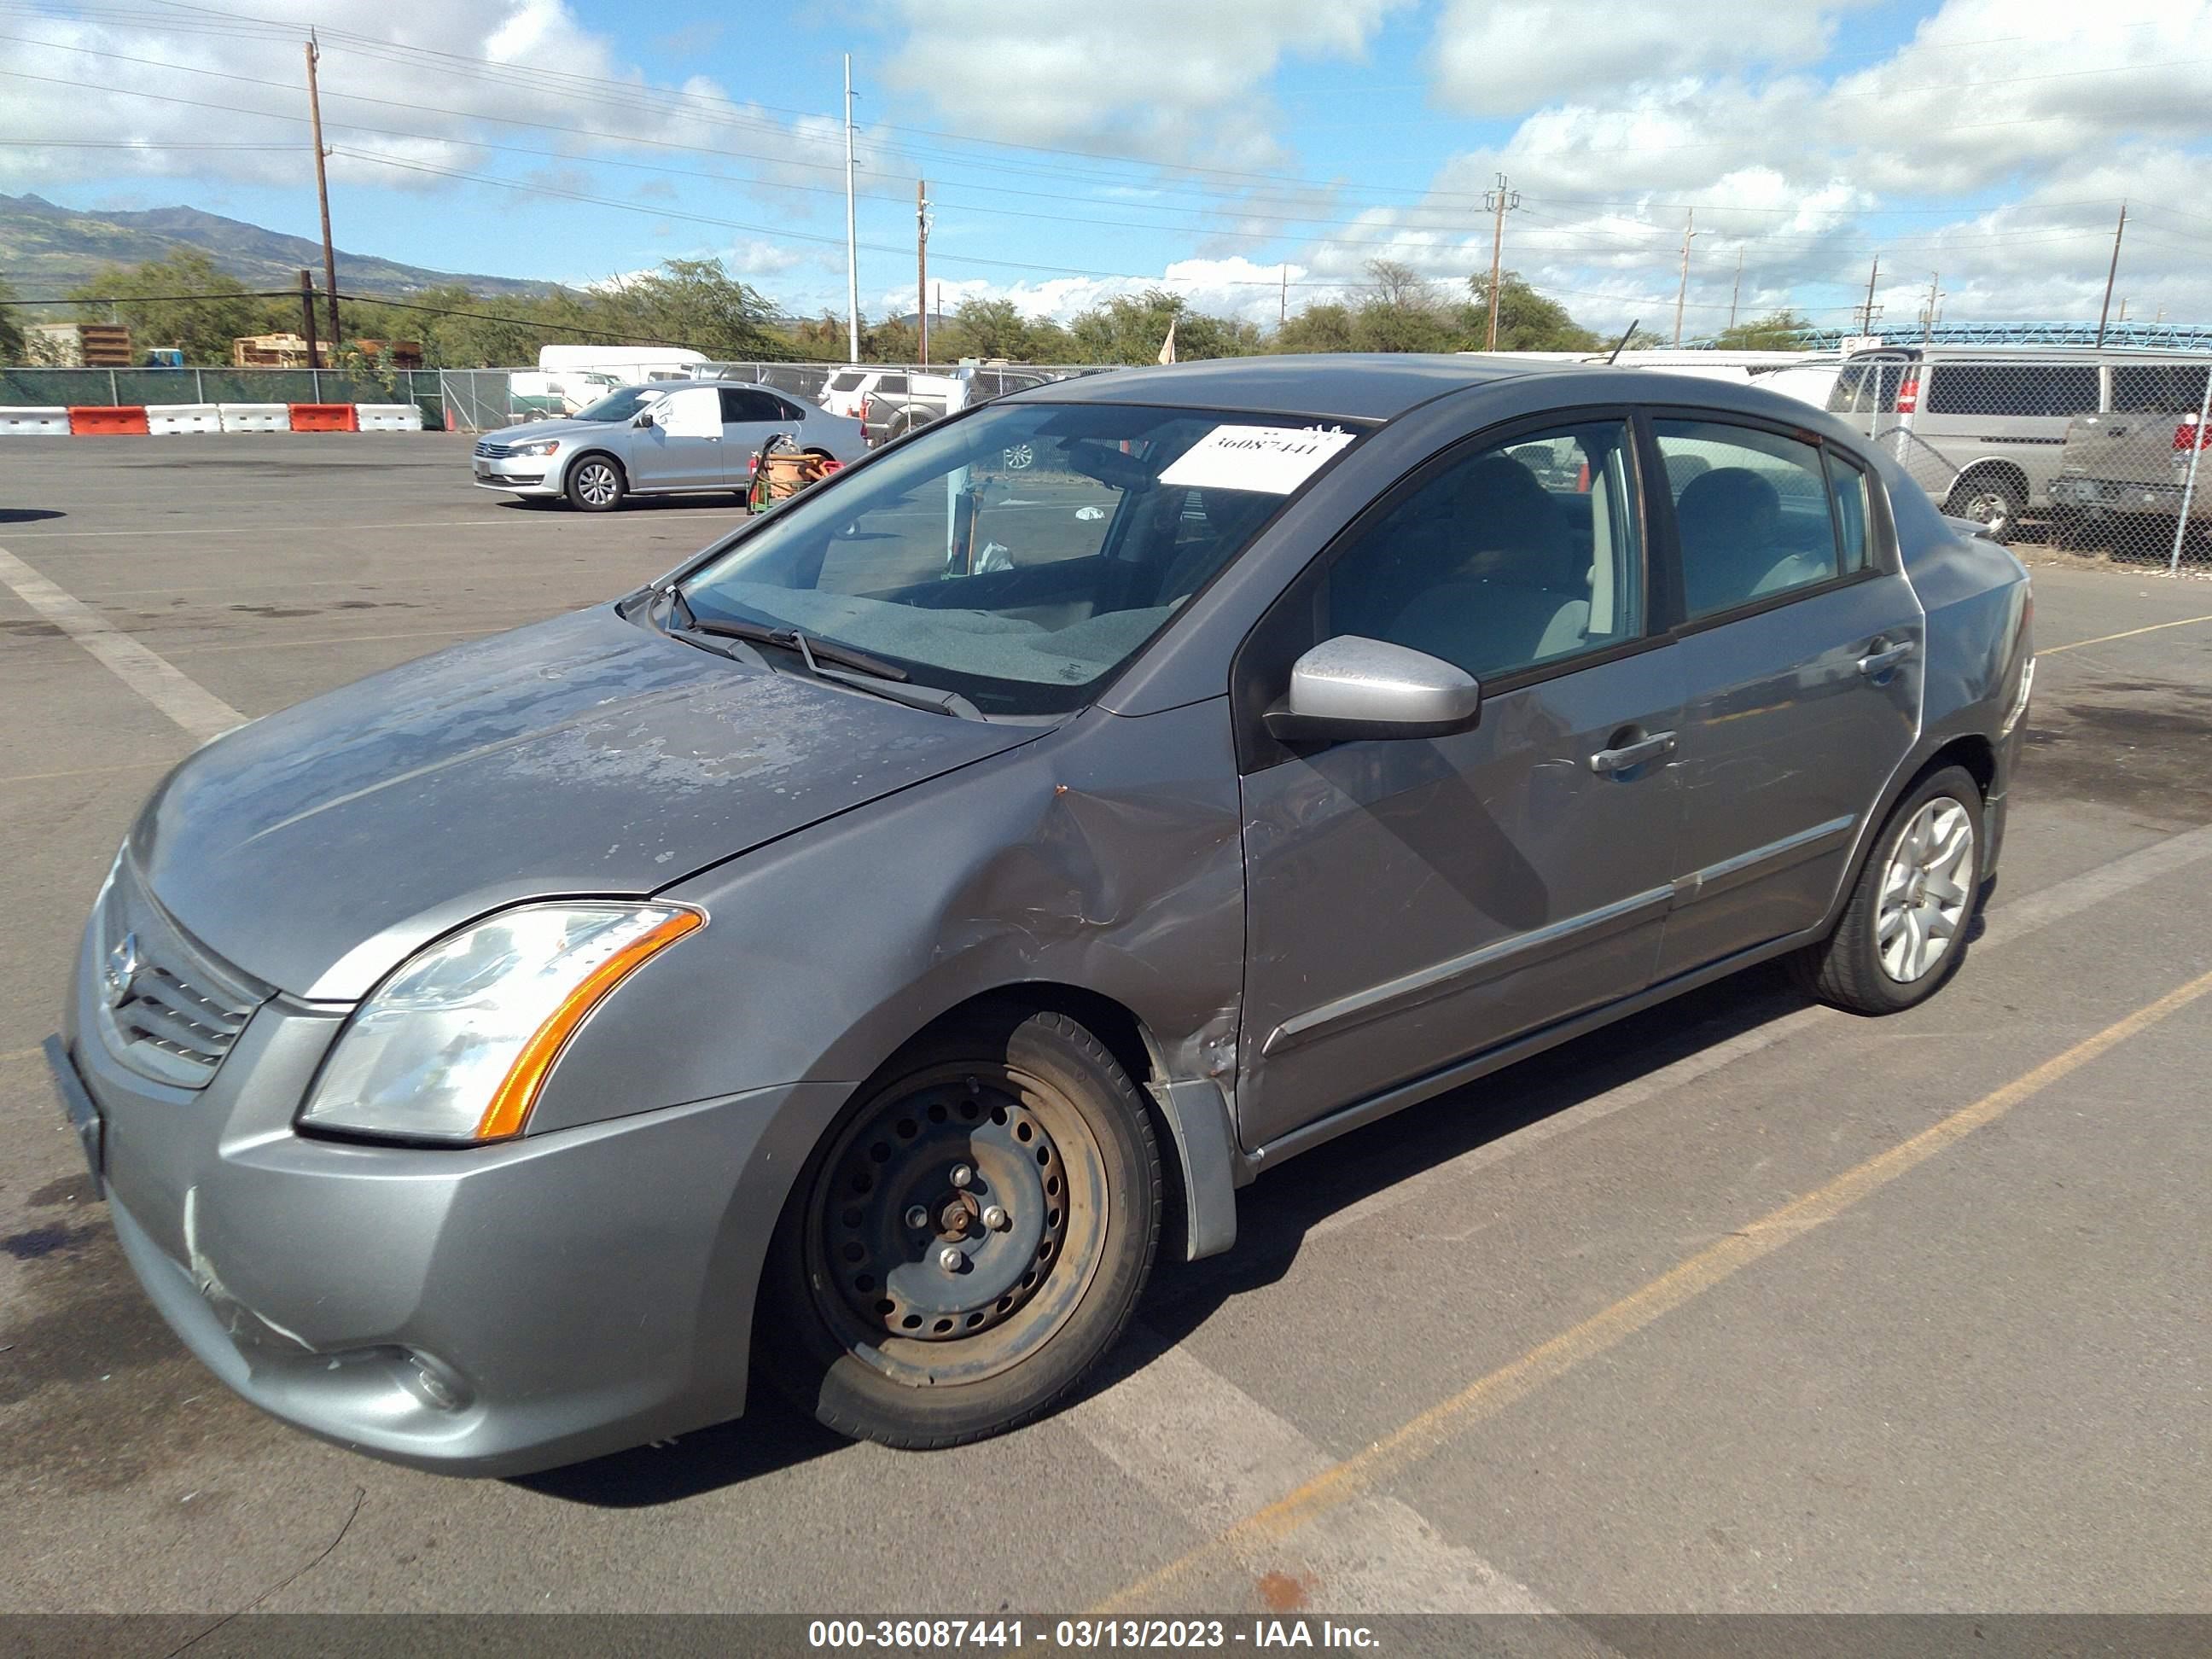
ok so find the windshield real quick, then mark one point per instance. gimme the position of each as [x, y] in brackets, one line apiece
[1022, 555]
[620, 406]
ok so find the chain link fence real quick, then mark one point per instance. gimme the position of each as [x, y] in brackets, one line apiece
[49, 388]
[2103, 453]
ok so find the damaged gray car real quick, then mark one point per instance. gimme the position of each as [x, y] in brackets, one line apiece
[848, 958]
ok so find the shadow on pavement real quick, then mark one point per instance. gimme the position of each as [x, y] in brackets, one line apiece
[770, 1436]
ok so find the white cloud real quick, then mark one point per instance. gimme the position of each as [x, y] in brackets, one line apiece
[1504, 57]
[1164, 80]
[1225, 288]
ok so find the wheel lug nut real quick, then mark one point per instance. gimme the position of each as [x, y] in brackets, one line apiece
[961, 1175]
[997, 1219]
[951, 1260]
[917, 1217]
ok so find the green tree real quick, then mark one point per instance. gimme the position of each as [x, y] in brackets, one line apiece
[1327, 325]
[1403, 313]
[1527, 320]
[989, 328]
[11, 327]
[1779, 331]
[1132, 328]
[218, 311]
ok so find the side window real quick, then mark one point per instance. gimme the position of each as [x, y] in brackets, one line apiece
[2157, 388]
[1753, 520]
[788, 411]
[742, 405]
[2024, 388]
[1519, 554]
[891, 385]
[1847, 490]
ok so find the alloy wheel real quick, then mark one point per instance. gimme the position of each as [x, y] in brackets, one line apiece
[596, 482]
[1925, 890]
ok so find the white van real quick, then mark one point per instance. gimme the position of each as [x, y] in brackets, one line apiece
[1983, 428]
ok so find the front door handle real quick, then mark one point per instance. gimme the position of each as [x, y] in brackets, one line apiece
[1628, 754]
[1881, 656]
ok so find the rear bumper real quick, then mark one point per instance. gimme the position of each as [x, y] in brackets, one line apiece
[484, 1311]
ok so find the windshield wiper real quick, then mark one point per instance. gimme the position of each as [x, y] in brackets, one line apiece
[860, 671]
[792, 640]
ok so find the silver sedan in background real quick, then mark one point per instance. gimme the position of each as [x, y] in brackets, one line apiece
[673, 437]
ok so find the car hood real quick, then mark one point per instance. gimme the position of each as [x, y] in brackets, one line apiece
[532, 431]
[317, 848]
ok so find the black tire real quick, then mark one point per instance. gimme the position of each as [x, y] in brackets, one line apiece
[1050, 1132]
[1992, 497]
[1852, 969]
[597, 484]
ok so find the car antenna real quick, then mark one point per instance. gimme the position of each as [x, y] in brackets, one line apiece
[1621, 342]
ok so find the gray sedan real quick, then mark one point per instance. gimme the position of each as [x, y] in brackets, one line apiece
[847, 957]
[673, 437]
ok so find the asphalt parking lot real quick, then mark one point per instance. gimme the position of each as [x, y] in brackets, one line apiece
[1741, 1306]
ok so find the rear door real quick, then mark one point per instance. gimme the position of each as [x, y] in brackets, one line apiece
[751, 416]
[1802, 647]
[683, 449]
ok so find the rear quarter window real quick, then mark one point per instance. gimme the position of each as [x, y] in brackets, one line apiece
[2157, 387]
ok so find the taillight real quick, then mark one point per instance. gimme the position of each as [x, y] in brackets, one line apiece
[2187, 435]
[1908, 394]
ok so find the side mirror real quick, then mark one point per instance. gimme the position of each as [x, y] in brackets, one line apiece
[644, 418]
[1351, 687]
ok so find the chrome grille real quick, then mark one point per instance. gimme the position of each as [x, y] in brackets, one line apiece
[486, 449]
[171, 1011]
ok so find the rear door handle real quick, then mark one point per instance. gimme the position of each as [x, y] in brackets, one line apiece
[1610, 761]
[1881, 657]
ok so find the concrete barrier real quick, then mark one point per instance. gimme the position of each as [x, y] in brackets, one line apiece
[51, 422]
[324, 417]
[88, 418]
[255, 417]
[183, 418]
[389, 417]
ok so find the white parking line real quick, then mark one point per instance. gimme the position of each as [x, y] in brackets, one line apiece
[154, 677]
[1212, 1455]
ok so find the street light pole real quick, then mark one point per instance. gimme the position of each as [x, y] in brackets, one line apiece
[851, 232]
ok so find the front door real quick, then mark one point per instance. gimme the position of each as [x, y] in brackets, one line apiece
[1412, 902]
[683, 449]
[1801, 644]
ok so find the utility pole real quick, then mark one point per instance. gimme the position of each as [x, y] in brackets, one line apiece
[851, 232]
[322, 189]
[1283, 305]
[2112, 274]
[1500, 201]
[1928, 316]
[307, 314]
[1736, 294]
[1866, 311]
[1682, 292]
[921, 262]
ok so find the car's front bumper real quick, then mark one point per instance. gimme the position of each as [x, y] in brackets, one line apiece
[489, 1310]
[521, 475]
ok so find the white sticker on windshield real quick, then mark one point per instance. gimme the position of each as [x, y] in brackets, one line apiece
[1271, 460]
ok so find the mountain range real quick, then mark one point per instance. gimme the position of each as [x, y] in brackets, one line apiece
[46, 250]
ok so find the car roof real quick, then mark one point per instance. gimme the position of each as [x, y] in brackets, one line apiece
[1382, 386]
[1347, 386]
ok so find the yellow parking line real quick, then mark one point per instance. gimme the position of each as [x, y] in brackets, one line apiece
[1491, 1394]
[2106, 639]
[20, 1053]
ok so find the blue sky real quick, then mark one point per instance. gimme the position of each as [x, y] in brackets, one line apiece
[1979, 147]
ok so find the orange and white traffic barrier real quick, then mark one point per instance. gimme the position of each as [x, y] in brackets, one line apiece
[255, 417]
[324, 417]
[170, 418]
[50, 420]
[102, 417]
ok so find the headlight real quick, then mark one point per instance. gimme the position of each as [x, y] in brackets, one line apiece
[456, 1042]
[545, 448]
